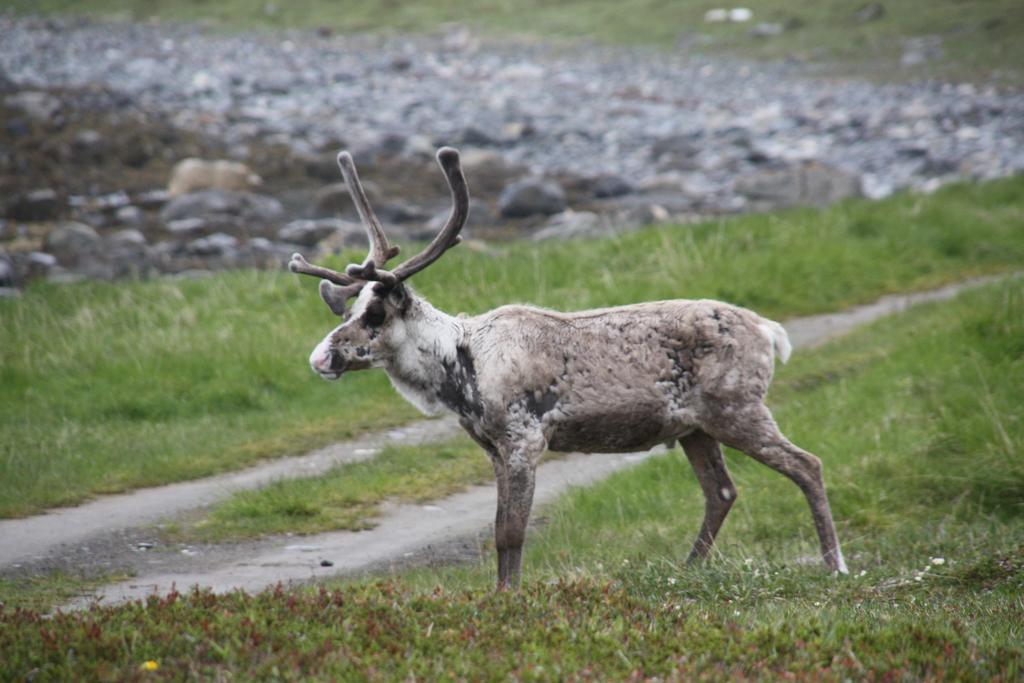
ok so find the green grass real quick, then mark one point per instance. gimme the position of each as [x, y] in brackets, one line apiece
[106, 387]
[348, 496]
[42, 592]
[980, 39]
[917, 419]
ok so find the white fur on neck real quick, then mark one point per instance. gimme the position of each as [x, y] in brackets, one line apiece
[423, 340]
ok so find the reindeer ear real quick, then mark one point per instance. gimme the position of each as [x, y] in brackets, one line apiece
[334, 296]
[399, 296]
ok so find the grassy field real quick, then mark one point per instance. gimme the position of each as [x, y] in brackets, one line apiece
[107, 387]
[980, 40]
[917, 419]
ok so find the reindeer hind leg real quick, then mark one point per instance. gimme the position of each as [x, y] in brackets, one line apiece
[705, 456]
[752, 430]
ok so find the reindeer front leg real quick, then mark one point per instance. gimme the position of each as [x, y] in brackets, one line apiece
[515, 471]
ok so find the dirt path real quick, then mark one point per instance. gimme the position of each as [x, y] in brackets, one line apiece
[107, 533]
[60, 530]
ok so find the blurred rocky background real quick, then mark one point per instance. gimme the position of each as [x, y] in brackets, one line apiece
[132, 149]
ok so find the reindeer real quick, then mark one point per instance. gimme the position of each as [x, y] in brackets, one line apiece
[524, 379]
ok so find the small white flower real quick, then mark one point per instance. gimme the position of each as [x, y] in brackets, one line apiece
[736, 612]
[937, 561]
[917, 578]
[671, 581]
[817, 604]
[862, 572]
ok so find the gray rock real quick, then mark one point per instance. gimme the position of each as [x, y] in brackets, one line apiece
[531, 196]
[481, 215]
[322, 166]
[88, 146]
[199, 205]
[940, 165]
[402, 212]
[574, 224]
[221, 204]
[186, 227]
[37, 105]
[371, 149]
[474, 136]
[217, 244]
[309, 233]
[129, 215]
[72, 242]
[263, 253]
[605, 186]
[7, 274]
[803, 183]
[347, 235]
[41, 259]
[39, 264]
[163, 254]
[675, 153]
[37, 205]
[261, 244]
[488, 171]
[127, 254]
[129, 237]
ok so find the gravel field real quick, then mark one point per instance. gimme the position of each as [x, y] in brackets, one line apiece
[619, 137]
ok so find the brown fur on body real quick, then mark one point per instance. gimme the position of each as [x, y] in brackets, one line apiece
[524, 379]
[538, 369]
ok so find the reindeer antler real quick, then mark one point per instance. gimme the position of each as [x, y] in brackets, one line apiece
[449, 235]
[381, 250]
[298, 264]
[371, 269]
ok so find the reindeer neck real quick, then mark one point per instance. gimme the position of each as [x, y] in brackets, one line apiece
[429, 357]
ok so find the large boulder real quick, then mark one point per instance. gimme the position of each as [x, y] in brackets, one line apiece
[72, 243]
[813, 183]
[530, 197]
[607, 186]
[488, 171]
[218, 244]
[191, 175]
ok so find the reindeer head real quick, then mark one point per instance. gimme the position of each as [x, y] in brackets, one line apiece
[365, 337]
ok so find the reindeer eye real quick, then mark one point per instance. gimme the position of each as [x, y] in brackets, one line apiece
[375, 314]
